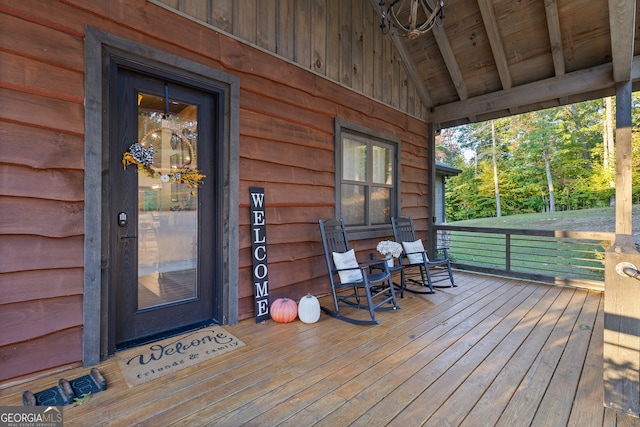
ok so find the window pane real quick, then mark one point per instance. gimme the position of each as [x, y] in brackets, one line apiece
[354, 160]
[380, 205]
[382, 166]
[352, 204]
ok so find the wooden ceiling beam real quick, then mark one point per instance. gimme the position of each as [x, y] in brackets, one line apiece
[622, 20]
[450, 61]
[555, 40]
[495, 41]
[566, 85]
[555, 37]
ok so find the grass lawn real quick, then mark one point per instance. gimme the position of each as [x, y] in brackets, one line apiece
[601, 219]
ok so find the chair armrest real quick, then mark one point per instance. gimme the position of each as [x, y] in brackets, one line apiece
[373, 261]
[405, 255]
[416, 252]
[442, 253]
[362, 265]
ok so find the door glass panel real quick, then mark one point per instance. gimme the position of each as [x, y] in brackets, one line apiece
[167, 209]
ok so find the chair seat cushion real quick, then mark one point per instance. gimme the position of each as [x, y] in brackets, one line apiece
[414, 251]
[345, 260]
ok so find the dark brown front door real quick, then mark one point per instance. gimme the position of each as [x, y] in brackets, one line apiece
[161, 230]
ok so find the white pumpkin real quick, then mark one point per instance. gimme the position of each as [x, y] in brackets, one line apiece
[309, 309]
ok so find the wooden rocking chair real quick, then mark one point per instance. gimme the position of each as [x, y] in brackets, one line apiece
[345, 272]
[431, 270]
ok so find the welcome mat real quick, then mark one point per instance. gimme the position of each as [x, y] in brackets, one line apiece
[155, 360]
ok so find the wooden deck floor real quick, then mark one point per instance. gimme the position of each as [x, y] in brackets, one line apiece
[492, 351]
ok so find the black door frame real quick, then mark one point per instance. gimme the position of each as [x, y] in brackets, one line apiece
[100, 49]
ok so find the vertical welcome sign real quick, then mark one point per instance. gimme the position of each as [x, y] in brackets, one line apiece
[259, 254]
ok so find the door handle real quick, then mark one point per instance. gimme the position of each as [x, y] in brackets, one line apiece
[123, 238]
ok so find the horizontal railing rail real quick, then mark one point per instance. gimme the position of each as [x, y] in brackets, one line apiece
[572, 258]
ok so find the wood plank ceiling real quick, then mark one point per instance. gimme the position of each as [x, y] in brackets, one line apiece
[494, 58]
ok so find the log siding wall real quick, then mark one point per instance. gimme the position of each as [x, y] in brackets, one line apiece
[286, 146]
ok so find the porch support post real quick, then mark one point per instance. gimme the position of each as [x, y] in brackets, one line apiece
[431, 244]
[622, 293]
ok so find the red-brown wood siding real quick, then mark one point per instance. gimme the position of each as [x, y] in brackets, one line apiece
[41, 194]
[286, 146]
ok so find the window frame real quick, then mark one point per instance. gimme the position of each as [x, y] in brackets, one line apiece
[342, 129]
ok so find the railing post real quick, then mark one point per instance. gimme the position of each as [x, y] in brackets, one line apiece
[621, 351]
[507, 249]
[431, 244]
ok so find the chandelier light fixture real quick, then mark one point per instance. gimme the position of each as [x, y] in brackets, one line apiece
[411, 18]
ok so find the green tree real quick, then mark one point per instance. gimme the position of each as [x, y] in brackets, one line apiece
[544, 160]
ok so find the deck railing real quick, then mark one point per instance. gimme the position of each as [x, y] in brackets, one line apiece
[560, 257]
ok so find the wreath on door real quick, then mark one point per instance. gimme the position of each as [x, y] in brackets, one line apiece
[142, 157]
